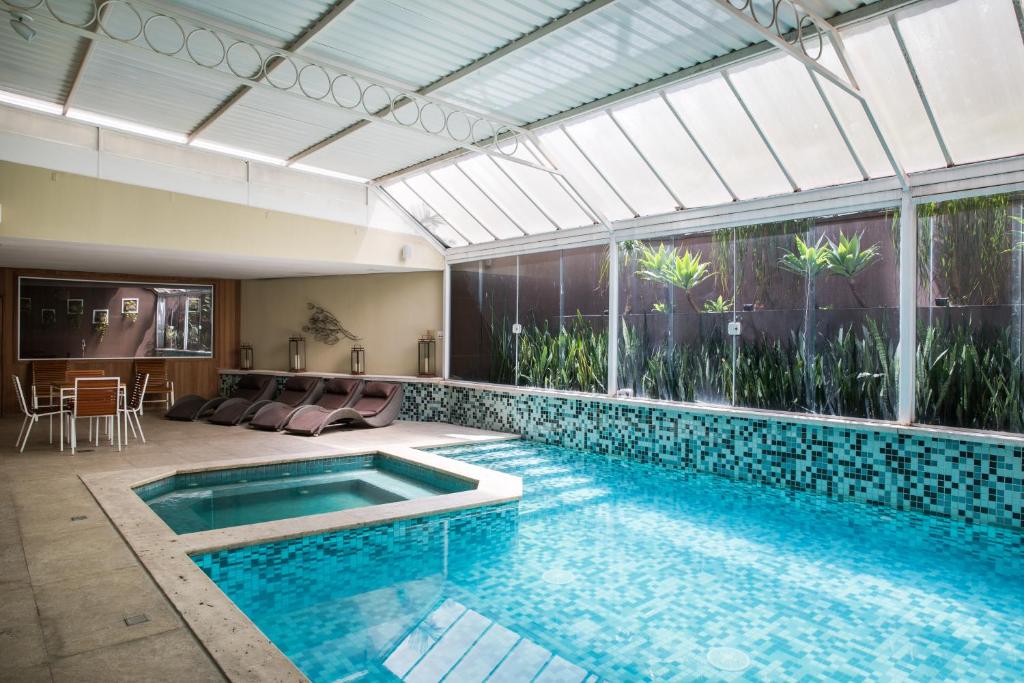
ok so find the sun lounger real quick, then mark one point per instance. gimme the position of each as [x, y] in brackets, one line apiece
[297, 392]
[375, 405]
[195, 407]
[235, 411]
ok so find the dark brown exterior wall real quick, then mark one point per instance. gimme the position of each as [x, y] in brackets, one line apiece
[190, 375]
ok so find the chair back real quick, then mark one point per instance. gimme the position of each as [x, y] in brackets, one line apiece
[96, 396]
[72, 375]
[139, 385]
[22, 404]
[46, 373]
[156, 368]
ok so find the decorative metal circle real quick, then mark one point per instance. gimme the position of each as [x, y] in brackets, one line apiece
[490, 132]
[740, 7]
[327, 80]
[511, 136]
[366, 100]
[253, 76]
[17, 6]
[771, 22]
[58, 17]
[174, 23]
[105, 16]
[267, 70]
[796, 21]
[448, 125]
[188, 48]
[356, 90]
[425, 110]
[414, 105]
[816, 33]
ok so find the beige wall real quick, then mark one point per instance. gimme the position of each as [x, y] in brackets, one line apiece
[49, 205]
[389, 311]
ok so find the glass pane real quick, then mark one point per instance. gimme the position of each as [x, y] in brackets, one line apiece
[482, 208]
[659, 136]
[546, 190]
[969, 314]
[442, 203]
[718, 122]
[483, 170]
[483, 310]
[609, 149]
[970, 59]
[675, 305]
[882, 73]
[782, 98]
[593, 187]
[564, 312]
[425, 215]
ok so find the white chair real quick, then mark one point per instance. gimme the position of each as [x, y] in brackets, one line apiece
[32, 415]
[133, 407]
[97, 397]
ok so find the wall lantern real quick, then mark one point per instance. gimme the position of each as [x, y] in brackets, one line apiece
[246, 358]
[427, 348]
[358, 360]
[296, 354]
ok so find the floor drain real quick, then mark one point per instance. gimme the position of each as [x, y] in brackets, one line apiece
[135, 620]
[558, 577]
[728, 659]
[79, 518]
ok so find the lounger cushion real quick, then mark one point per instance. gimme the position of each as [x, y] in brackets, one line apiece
[379, 389]
[250, 386]
[296, 389]
[338, 393]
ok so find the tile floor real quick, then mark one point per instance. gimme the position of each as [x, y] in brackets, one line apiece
[67, 585]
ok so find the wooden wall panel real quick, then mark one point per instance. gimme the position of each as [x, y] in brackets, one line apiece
[190, 375]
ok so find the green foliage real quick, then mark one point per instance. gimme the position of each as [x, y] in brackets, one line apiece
[573, 358]
[718, 305]
[846, 258]
[807, 260]
[660, 307]
[664, 265]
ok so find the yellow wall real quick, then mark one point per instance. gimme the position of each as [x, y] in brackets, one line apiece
[50, 205]
[388, 310]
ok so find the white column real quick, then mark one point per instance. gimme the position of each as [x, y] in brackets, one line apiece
[446, 318]
[908, 307]
[613, 315]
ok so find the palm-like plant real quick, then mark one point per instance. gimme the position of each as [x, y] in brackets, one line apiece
[718, 305]
[806, 260]
[666, 266]
[847, 259]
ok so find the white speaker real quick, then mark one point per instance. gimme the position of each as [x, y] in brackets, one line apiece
[406, 253]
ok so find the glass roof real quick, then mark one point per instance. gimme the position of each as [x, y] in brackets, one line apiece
[943, 78]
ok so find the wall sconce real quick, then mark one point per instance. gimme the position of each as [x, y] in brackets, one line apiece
[358, 360]
[297, 354]
[427, 346]
[245, 356]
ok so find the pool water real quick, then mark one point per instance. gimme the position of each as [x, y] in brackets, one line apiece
[228, 498]
[620, 571]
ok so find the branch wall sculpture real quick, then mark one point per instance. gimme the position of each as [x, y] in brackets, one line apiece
[326, 328]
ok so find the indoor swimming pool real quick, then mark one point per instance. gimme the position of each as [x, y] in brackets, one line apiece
[613, 570]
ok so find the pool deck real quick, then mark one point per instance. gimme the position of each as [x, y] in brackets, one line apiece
[68, 579]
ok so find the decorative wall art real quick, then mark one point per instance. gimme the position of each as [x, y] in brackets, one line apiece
[326, 328]
[130, 308]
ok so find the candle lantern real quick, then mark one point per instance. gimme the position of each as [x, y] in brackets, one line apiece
[246, 361]
[427, 348]
[358, 360]
[297, 354]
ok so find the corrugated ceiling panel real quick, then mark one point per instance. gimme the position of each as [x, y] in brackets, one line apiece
[281, 21]
[419, 42]
[276, 124]
[149, 89]
[376, 150]
[43, 68]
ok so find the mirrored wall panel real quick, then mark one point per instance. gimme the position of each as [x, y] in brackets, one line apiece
[101, 319]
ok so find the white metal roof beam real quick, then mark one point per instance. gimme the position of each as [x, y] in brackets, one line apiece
[760, 131]
[307, 36]
[438, 213]
[696, 143]
[599, 172]
[524, 193]
[643, 157]
[503, 51]
[76, 81]
[431, 238]
[491, 199]
[838, 124]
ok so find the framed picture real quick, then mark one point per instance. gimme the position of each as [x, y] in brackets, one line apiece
[193, 304]
[100, 316]
[76, 306]
[49, 316]
[129, 306]
[26, 305]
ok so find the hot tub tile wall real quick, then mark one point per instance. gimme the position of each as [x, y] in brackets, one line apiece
[975, 480]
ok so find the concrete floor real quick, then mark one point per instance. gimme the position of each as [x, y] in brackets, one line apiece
[67, 585]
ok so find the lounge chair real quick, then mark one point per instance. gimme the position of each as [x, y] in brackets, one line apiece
[297, 392]
[378, 406]
[338, 393]
[196, 407]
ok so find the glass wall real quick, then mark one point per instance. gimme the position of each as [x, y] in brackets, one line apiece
[969, 370]
[723, 317]
[536, 320]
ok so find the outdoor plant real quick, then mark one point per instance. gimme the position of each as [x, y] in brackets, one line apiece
[666, 266]
[719, 305]
[808, 261]
[100, 327]
[845, 258]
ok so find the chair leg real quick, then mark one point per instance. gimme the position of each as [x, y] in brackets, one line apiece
[61, 420]
[51, 429]
[28, 431]
[138, 423]
[116, 420]
[21, 432]
[74, 433]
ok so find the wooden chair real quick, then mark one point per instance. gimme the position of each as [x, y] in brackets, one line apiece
[97, 397]
[133, 407]
[32, 415]
[45, 374]
[71, 375]
[159, 384]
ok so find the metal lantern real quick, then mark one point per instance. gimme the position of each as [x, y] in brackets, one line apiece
[427, 348]
[297, 354]
[245, 354]
[358, 360]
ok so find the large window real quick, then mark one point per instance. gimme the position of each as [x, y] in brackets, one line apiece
[969, 370]
[536, 320]
[797, 316]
